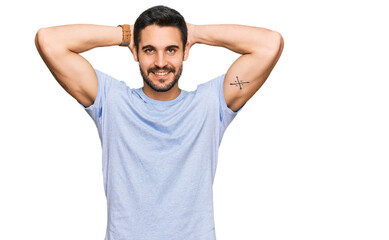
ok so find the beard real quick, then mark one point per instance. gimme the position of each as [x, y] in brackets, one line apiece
[154, 69]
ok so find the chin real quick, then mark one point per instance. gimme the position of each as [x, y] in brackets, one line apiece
[154, 81]
[166, 86]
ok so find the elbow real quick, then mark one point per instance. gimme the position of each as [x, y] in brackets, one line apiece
[270, 44]
[40, 38]
[276, 43]
[273, 45]
[44, 40]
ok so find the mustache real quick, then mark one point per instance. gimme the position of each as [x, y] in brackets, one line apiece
[166, 68]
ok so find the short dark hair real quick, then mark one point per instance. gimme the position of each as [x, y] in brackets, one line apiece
[161, 16]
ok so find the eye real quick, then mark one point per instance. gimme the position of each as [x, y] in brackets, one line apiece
[171, 50]
[148, 50]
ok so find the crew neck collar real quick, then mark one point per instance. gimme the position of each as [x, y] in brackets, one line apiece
[159, 102]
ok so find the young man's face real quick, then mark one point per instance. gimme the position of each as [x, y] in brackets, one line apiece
[160, 55]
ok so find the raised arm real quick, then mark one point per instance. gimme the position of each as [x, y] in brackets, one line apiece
[260, 49]
[59, 48]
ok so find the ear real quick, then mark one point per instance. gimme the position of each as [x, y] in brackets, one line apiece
[134, 52]
[186, 53]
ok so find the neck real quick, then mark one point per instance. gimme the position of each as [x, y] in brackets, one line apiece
[172, 94]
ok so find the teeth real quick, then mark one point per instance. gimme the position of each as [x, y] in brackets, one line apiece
[161, 73]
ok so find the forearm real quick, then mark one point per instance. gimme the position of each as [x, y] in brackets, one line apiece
[238, 38]
[79, 37]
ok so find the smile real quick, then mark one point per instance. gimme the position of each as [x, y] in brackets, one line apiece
[161, 73]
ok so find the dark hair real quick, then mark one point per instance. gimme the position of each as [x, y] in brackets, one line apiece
[160, 16]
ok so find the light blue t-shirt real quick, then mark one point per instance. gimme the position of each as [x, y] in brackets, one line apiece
[159, 159]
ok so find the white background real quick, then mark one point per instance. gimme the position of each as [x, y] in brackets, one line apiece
[306, 158]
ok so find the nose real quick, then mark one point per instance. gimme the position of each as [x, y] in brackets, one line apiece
[160, 60]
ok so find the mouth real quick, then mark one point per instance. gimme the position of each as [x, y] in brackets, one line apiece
[161, 73]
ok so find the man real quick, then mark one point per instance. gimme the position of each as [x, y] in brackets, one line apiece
[160, 143]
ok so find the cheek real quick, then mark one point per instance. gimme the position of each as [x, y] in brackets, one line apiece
[176, 62]
[145, 63]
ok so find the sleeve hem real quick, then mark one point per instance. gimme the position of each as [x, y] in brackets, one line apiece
[223, 100]
[91, 107]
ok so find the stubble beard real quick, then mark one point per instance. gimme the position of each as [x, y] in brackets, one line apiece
[153, 86]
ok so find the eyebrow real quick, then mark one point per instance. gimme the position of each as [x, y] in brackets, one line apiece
[152, 47]
[173, 46]
[147, 46]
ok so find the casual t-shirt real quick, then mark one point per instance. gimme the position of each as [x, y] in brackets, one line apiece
[159, 159]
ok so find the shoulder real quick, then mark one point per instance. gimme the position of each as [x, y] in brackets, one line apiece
[104, 77]
[213, 84]
[107, 81]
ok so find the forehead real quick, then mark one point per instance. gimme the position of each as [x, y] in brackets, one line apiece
[158, 36]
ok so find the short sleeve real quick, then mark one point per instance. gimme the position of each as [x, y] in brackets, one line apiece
[104, 85]
[226, 114]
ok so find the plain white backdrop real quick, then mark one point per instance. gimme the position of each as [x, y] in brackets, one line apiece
[306, 158]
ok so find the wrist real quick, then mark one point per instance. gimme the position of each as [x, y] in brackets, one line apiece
[126, 35]
[118, 35]
[192, 34]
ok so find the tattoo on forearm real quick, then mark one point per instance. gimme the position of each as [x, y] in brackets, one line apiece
[238, 83]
